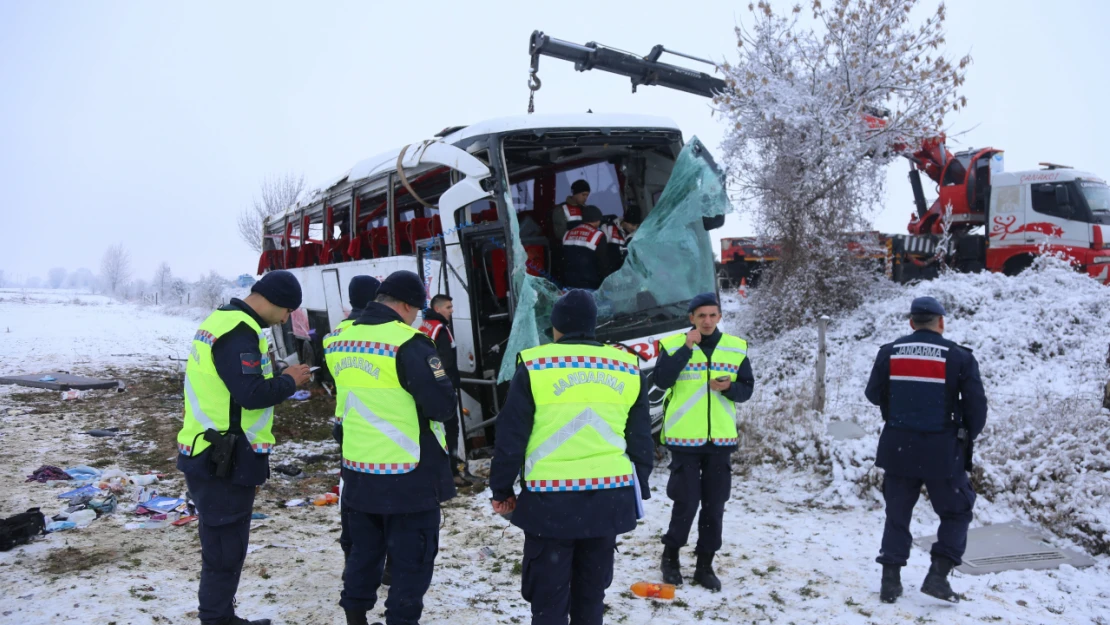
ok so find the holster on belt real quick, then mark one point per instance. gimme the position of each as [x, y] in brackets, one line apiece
[221, 453]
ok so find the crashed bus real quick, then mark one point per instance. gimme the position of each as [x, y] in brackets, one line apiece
[470, 212]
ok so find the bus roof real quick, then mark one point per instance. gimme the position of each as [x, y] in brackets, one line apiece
[387, 161]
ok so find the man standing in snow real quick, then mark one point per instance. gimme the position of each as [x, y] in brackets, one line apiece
[569, 214]
[932, 400]
[225, 441]
[576, 428]
[707, 373]
[436, 326]
[394, 396]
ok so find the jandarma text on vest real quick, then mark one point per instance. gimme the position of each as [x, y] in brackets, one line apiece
[358, 363]
[592, 377]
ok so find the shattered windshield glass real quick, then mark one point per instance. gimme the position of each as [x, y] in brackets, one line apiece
[670, 260]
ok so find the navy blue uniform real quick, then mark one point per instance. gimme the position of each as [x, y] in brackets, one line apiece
[569, 537]
[700, 476]
[585, 258]
[400, 513]
[928, 390]
[224, 504]
[445, 345]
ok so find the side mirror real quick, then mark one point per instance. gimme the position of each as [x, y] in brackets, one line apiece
[1062, 197]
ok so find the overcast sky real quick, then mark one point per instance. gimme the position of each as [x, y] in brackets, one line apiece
[152, 124]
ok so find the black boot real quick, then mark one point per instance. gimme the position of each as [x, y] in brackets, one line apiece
[387, 575]
[672, 569]
[356, 617]
[703, 573]
[936, 582]
[236, 620]
[891, 587]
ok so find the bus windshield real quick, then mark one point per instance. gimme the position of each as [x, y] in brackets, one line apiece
[1097, 195]
[669, 257]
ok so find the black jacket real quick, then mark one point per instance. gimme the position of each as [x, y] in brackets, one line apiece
[238, 363]
[445, 345]
[586, 264]
[930, 455]
[669, 366]
[430, 483]
[569, 515]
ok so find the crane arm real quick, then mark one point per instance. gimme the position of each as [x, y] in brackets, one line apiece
[647, 70]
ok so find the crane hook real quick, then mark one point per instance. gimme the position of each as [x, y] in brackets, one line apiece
[534, 85]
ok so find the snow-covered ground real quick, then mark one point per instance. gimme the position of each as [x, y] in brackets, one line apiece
[802, 529]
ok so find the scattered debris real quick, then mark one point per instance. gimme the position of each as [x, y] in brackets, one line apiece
[48, 472]
[295, 503]
[59, 526]
[73, 394]
[1010, 546]
[288, 469]
[302, 395]
[258, 516]
[185, 520]
[59, 381]
[103, 432]
[21, 528]
[327, 499]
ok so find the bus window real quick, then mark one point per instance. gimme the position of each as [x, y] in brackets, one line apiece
[605, 189]
[523, 195]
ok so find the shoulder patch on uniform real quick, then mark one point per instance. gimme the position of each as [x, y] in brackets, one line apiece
[436, 365]
[251, 363]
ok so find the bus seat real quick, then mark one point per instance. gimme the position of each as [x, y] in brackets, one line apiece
[402, 236]
[379, 242]
[499, 267]
[271, 260]
[309, 253]
[437, 226]
[537, 259]
[335, 251]
[423, 228]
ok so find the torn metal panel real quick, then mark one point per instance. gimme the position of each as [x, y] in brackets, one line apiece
[61, 382]
[1008, 547]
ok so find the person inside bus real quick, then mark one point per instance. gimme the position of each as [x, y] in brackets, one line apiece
[569, 214]
[585, 252]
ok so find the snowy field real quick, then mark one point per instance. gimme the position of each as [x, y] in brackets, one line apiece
[802, 528]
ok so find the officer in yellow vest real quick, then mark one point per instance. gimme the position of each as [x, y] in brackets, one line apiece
[225, 441]
[361, 290]
[706, 373]
[393, 395]
[576, 429]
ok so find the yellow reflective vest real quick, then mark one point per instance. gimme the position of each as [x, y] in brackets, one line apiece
[207, 400]
[583, 394]
[381, 427]
[694, 413]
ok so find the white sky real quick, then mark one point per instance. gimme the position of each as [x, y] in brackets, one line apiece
[153, 124]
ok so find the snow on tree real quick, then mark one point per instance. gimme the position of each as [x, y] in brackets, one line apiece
[56, 277]
[805, 148]
[163, 279]
[115, 267]
[277, 194]
[210, 290]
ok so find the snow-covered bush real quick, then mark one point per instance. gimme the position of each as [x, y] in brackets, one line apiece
[1041, 340]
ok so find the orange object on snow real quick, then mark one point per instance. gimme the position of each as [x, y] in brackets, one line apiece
[653, 591]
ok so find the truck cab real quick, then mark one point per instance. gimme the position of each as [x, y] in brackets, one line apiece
[1057, 209]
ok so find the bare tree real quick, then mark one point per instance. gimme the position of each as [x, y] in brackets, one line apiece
[115, 267]
[56, 277]
[277, 194]
[163, 278]
[814, 116]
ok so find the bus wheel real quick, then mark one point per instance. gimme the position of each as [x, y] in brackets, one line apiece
[1017, 264]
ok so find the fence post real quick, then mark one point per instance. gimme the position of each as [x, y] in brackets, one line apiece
[819, 393]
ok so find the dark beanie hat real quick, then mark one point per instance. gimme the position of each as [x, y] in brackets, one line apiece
[591, 213]
[405, 286]
[579, 186]
[705, 299]
[280, 288]
[575, 313]
[362, 291]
